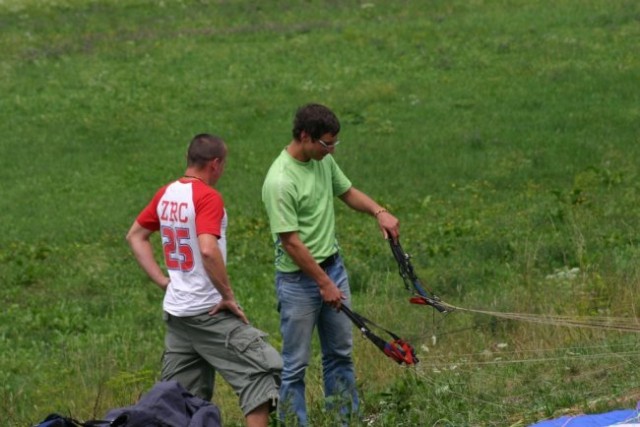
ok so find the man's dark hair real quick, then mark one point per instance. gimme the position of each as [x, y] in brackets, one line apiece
[203, 148]
[316, 120]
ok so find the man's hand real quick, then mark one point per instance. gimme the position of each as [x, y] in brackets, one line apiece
[332, 295]
[389, 225]
[229, 305]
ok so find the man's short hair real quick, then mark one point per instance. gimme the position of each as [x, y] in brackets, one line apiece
[203, 148]
[315, 120]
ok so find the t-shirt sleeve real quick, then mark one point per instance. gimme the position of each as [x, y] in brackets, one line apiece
[209, 207]
[148, 218]
[339, 180]
[280, 203]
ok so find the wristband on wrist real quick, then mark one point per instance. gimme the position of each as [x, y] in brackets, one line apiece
[379, 211]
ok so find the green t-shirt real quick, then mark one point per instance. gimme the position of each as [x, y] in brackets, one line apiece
[298, 196]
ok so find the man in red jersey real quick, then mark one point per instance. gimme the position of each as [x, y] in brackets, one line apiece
[207, 331]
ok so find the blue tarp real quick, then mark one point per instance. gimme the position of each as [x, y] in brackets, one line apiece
[624, 417]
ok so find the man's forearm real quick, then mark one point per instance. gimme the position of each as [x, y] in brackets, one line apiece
[144, 256]
[214, 265]
[138, 239]
[218, 274]
[359, 201]
[301, 255]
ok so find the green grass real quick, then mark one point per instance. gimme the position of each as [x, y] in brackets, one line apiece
[503, 134]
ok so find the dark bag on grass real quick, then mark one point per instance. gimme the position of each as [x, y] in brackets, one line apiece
[167, 404]
[57, 420]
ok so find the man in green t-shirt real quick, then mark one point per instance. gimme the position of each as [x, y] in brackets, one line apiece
[311, 281]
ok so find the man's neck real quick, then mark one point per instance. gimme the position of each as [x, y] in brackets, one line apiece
[295, 150]
[196, 175]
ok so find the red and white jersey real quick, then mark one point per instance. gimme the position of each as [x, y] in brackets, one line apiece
[181, 211]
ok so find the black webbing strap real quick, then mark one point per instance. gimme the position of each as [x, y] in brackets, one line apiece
[397, 349]
[411, 280]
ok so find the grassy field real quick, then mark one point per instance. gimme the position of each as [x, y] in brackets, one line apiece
[505, 135]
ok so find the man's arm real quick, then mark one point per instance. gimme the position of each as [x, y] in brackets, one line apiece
[301, 255]
[359, 201]
[217, 271]
[138, 238]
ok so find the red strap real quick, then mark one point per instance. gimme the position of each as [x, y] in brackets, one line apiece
[418, 300]
[401, 352]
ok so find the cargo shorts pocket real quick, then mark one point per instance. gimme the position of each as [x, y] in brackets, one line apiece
[250, 345]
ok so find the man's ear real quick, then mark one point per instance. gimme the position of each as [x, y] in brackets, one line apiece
[216, 163]
[304, 136]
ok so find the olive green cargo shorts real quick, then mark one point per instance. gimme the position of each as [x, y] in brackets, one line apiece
[197, 347]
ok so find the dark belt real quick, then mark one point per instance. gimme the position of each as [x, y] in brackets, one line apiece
[328, 262]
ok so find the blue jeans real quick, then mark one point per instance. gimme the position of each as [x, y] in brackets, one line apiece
[301, 310]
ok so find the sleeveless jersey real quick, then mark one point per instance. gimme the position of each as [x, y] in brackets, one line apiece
[181, 211]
